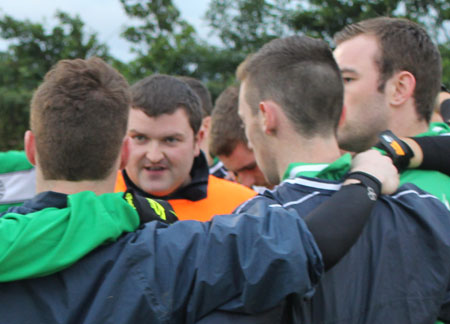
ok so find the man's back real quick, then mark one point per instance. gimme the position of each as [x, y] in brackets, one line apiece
[173, 274]
[398, 270]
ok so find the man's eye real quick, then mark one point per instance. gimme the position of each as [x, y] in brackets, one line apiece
[138, 138]
[171, 140]
[347, 79]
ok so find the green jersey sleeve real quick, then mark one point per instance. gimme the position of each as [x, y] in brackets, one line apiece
[46, 241]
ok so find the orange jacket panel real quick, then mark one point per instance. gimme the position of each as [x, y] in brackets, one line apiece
[222, 198]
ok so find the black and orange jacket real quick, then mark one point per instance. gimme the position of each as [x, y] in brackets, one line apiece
[204, 197]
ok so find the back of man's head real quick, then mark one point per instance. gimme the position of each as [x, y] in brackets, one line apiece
[227, 129]
[300, 74]
[404, 46]
[202, 92]
[161, 94]
[79, 118]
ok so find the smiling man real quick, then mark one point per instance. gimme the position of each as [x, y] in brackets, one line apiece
[165, 157]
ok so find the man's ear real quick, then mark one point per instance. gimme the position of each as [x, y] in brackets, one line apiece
[204, 128]
[401, 87]
[206, 124]
[124, 152]
[30, 147]
[198, 139]
[269, 110]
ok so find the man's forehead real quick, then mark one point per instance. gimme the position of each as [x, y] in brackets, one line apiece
[179, 114]
[356, 48]
[240, 158]
[164, 124]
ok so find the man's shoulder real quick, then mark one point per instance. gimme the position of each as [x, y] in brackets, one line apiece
[433, 182]
[17, 179]
[222, 197]
[13, 161]
[223, 185]
[415, 205]
[301, 193]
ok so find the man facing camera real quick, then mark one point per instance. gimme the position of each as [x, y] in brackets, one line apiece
[165, 157]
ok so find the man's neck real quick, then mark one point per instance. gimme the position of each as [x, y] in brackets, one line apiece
[71, 187]
[313, 150]
[405, 122]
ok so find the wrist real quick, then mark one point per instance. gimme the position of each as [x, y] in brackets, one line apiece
[417, 158]
[372, 184]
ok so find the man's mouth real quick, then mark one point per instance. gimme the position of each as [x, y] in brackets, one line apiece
[155, 168]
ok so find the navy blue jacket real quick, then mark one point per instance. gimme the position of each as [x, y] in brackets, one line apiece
[397, 272]
[176, 273]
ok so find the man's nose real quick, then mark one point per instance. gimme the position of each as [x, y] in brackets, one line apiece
[246, 179]
[154, 153]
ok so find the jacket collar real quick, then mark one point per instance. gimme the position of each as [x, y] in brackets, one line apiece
[40, 201]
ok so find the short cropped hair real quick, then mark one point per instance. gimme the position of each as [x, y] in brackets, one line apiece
[227, 128]
[202, 92]
[161, 94]
[300, 74]
[404, 46]
[79, 117]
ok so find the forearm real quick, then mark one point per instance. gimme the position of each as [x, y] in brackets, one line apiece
[430, 153]
[337, 223]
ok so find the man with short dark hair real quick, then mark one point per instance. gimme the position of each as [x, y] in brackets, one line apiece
[165, 157]
[392, 75]
[290, 101]
[229, 144]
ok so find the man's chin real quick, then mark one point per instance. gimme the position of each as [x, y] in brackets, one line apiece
[158, 192]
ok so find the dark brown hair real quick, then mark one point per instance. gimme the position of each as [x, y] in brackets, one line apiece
[202, 92]
[227, 129]
[161, 94]
[300, 74]
[79, 117]
[404, 46]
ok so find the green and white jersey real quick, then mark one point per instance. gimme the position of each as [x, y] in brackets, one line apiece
[328, 171]
[433, 182]
[437, 129]
[17, 179]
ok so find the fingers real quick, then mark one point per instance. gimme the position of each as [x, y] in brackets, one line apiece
[379, 166]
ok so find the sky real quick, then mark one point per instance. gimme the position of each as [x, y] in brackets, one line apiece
[106, 17]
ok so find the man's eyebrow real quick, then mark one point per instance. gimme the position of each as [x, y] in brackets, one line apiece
[132, 130]
[174, 134]
[348, 70]
[249, 166]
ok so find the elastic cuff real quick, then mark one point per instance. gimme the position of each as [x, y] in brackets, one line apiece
[372, 184]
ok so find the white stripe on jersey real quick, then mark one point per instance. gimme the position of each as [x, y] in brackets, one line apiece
[17, 186]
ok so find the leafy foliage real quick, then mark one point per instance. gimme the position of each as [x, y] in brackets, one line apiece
[32, 52]
[245, 25]
[165, 43]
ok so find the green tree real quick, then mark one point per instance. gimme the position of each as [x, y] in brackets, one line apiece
[162, 41]
[166, 43]
[31, 53]
[245, 25]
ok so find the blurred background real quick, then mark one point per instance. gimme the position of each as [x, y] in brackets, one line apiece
[205, 39]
